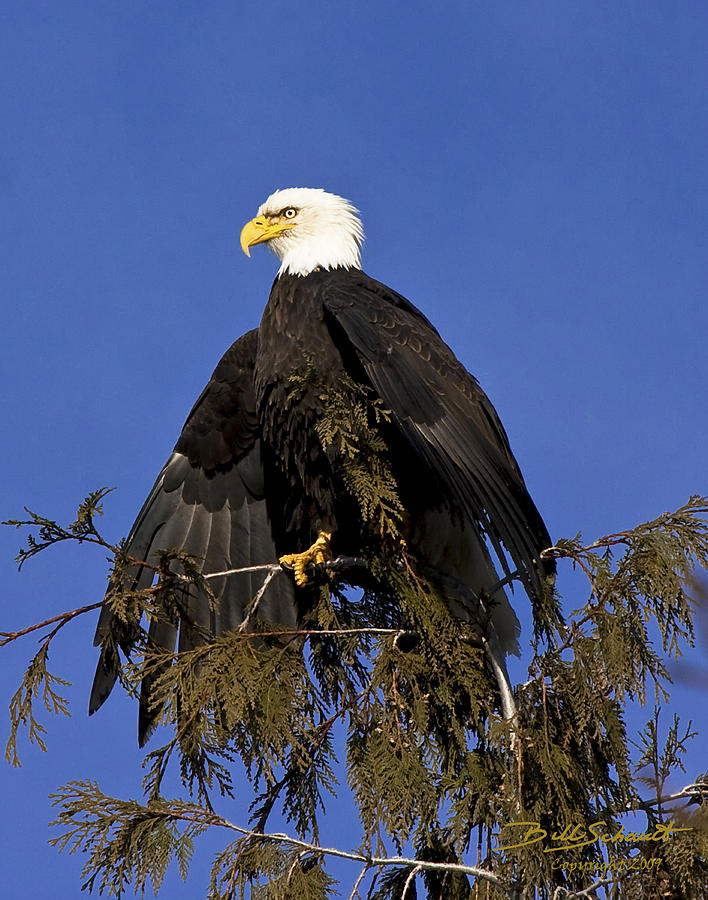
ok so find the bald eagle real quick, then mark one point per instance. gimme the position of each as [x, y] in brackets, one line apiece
[250, 480]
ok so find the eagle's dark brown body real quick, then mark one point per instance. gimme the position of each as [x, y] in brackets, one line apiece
[249, 479]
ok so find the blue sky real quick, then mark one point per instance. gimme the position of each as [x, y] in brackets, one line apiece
[531, 174]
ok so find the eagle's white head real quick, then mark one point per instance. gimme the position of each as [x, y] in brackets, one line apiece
[307, 229]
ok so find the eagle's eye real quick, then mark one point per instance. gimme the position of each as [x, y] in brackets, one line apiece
[290, 212]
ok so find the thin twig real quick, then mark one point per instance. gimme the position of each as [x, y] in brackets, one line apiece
[266, 567]
[586, 892]
[295, 864]
[273, 569]
[667, 520]
[63, 618]
[695, 791]
[344, 854]
[512, 576]
[325, 632]
[409, 881]
[370, 892]
[258, 597]
[355, 890]
[334, 564]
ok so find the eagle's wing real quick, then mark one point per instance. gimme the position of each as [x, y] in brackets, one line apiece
[443, 415]
[208, 500]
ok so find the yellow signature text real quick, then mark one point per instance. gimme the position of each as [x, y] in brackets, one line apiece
[574, 836]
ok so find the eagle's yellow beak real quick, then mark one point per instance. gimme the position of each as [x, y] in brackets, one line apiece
[260, 230]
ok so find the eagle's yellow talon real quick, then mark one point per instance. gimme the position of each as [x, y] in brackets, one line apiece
[316, 555]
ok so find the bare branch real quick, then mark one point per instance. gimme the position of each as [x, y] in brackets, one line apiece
[7, 636]
[695, 792]
[355, 895]
[588, 891]
[409, 881]
[369, 861]
[259, 596]
[266, 567]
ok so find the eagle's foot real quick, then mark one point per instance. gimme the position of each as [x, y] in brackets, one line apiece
[316, 555]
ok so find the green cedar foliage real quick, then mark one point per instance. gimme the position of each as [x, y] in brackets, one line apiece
[439, 777]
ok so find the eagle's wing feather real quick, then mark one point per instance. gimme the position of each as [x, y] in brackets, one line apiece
[444, 416]
[209, 500]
